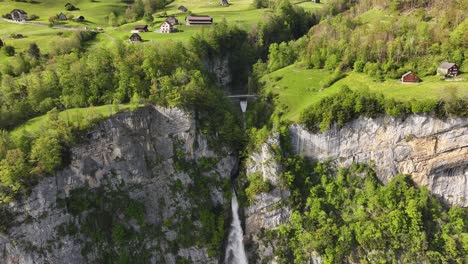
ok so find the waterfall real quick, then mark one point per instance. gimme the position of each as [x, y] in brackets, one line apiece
[235, 252]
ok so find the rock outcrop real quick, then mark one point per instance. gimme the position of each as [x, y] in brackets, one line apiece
[138, 158]
[433, 151]
[268, 210]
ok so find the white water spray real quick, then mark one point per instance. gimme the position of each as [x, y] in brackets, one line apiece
[235, 252]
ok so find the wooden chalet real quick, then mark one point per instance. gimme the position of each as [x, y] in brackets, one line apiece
[198, 20]
[447, 69]
[224, 3]
[135, 38]
[19, 15]
[166, 27]
[61, 16]
[182, 9]
[409, 77]
[141, 28]
[172, 20]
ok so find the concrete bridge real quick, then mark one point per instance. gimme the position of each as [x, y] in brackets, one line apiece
[242, 99]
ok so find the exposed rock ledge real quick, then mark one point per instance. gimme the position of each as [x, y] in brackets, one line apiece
[134, 148]
[433, 151]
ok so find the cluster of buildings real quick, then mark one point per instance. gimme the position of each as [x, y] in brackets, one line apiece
[446, 70]
[168, 26]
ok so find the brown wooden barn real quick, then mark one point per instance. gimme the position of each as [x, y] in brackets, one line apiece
[409, 77]
[198, 20]
[448, 69]
[135, 37]
[172, 20]
[141, 28]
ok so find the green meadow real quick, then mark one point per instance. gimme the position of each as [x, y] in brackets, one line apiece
[298, 87]
[74, 115]
[239, 12]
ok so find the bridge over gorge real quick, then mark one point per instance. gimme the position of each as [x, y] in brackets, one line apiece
[243, 99]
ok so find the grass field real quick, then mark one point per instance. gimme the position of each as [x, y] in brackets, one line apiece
[74, 115]
[298, 87]
[240, 12]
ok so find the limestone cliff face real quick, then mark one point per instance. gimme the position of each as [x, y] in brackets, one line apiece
[433, 151]
[135, 155]
[268, 210]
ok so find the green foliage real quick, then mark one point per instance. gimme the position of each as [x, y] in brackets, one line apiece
[280, 55]
[9, 50]
[332, 78]
[384, 39]
[257, 185]
[347, 105]
[344, 214]
[46, 154]
[341, 108]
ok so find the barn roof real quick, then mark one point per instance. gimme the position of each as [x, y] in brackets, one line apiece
[19, 10]
[406, 74]
[141, 26]
[199, 18]
[135, 36]
[446, 65]
[182, 8]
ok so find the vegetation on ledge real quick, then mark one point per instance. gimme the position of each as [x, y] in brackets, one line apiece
[347, 215]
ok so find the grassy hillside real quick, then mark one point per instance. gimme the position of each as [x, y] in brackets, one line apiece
[240, 12]
[93, 11]
[74, 115]
[298, 87]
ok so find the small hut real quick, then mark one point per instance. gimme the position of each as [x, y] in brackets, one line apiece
[409, 77]
[224, 3]
[447, 69]
[61, 16]
[19, 15]
[141, 28]
[166, 27]
[135, 37]
[316, 1]
[80, 18]
[182, 9]
[172, 20]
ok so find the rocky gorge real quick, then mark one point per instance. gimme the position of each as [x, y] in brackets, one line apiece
[146, 186]
[127, 193]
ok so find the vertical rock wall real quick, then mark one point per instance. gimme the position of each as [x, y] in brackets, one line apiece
[136, 155]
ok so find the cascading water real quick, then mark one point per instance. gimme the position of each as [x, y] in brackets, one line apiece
[235, 252]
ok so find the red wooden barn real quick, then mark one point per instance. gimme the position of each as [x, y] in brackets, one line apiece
[409, 77]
